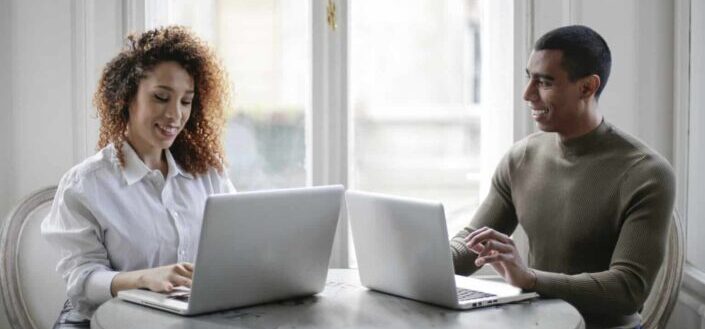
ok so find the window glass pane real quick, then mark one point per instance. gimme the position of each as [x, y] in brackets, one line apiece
[416, 98]
[265, 47]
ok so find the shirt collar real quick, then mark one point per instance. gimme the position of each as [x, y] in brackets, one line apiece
[175, 168]
[135, 169]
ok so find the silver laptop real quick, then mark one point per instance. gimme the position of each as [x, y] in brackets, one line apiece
[256, 247]
[402, 249]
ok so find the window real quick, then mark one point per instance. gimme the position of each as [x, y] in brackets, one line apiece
[419, 104]
[422, 91]
[265, 47]
[416, 101]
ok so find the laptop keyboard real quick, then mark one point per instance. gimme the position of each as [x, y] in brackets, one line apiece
[467, 294]
[180, 295]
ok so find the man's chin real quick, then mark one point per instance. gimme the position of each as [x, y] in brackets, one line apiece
[544, 127]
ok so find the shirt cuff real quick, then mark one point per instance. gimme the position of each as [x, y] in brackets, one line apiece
[98, 286]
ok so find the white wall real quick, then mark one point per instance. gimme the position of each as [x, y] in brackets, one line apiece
[638, 97]
[52, 54]
[36, 138]
[57, 50]
[42, 113]
[6, 121]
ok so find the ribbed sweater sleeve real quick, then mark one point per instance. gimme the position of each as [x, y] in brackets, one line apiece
[646, 196]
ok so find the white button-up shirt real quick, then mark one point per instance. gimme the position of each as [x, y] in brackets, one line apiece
[106, 219]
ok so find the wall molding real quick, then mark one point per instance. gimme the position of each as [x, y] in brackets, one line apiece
[133, 17]
[694, 281]
[692, 296]
[95, 35]
[571, 13]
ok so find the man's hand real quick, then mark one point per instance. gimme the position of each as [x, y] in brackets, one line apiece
[498, 250]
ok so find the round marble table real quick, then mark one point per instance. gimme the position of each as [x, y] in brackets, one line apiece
[346, 304]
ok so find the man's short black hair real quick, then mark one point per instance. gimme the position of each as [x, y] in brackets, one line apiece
[585, 52]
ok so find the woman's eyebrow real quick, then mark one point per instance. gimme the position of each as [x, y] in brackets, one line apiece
[190, 91]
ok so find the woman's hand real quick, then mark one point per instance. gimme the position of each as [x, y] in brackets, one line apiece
[158, 279]
[165, 278]
[498, 250]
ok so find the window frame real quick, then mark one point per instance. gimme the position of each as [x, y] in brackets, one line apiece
[688, 46]
[328, 127]
[329, 123]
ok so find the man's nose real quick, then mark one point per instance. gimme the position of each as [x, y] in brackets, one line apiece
[530, 93]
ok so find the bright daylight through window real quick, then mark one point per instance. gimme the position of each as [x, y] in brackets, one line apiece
[430, 93]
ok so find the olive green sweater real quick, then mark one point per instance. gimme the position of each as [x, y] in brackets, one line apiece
[596, 209]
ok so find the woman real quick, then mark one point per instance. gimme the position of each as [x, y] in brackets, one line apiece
[130, 216]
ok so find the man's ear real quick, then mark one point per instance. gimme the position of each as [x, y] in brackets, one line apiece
[589, 85]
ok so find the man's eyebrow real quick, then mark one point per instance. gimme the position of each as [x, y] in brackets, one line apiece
[539, 76]
[172, 89]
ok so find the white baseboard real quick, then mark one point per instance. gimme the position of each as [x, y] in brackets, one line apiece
[690, 308]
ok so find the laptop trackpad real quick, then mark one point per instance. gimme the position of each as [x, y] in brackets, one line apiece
[500, 289]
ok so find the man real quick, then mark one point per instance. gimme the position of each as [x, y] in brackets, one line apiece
[595, 202]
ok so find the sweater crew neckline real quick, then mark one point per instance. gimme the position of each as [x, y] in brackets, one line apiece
[585, 143]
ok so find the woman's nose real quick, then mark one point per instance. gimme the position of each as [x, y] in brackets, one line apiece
[173, 111]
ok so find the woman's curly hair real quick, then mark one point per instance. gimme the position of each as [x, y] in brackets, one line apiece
[198, 147]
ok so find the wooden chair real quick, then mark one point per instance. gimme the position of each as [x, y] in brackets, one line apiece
[664, 293]
[32, 290]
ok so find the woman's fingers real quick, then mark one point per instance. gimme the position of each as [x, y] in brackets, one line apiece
[183, 269]
[180, 275]
[188, 266]
[165, 278]
[167, 286]
[181, 281]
